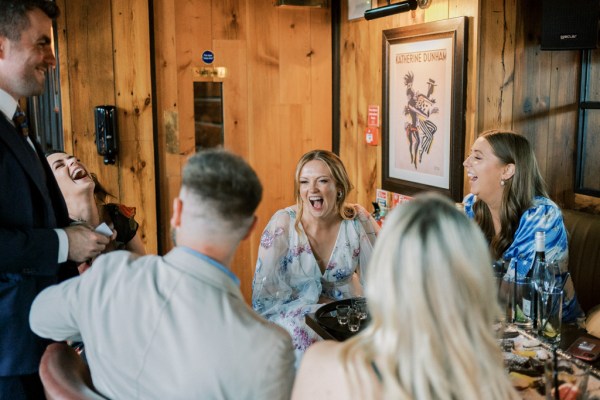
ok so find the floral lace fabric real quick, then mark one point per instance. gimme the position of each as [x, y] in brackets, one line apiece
[288, 282]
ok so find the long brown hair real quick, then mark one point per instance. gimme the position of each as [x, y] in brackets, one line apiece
[518, 191]
[340, 176]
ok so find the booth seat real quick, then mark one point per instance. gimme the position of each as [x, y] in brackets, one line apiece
[584, 256]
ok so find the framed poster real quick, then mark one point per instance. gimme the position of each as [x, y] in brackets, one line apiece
[423, 130]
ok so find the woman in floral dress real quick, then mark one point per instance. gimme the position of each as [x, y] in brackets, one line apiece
[313, 252]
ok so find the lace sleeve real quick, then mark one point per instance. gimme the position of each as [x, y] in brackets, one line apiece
[268, 287]
[282, 282]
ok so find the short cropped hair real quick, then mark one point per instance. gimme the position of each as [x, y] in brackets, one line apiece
[13, 15]
[225, 182]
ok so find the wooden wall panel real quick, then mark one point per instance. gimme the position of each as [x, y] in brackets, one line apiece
[321, 118]
[90, 72]
[167, 143]
[361, 86]
[497, 58]
[266, 149]
[294, 56]
[277, 90]
[459, 8]
[511, 84]
[134, 105]
[562, 132]
[232, 55]
[63, 66]
[229, 19]
[105, 59]
[349, 96]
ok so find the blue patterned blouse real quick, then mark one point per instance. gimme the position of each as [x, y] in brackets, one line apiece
[544, 216]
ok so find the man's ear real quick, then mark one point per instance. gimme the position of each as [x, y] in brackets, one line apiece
[509, 171]
[251, 228]
[3, 43]
[176, 216]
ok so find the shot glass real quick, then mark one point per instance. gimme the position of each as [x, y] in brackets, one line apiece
[549, 314]
[359, 304]
[353, 321]
[568, 377]
[342, 313]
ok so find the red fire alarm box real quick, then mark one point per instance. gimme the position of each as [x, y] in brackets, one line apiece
[372, 135]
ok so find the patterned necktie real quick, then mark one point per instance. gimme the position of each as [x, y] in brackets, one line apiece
[20, 120]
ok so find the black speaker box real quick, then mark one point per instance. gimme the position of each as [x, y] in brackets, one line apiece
[106, 132]
[570, 25]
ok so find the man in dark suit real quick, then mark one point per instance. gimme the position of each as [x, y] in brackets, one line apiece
[35, 237]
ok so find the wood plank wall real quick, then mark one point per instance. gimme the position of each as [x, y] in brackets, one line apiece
[361, 83]
[278, 92]
[104, 56]
[277, 95]
[511, 84]
[532, 92]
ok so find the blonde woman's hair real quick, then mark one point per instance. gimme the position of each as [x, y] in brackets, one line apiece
[340, 178]
[432, 304]
[518, 191]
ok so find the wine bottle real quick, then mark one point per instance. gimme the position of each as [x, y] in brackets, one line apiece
[536, 272]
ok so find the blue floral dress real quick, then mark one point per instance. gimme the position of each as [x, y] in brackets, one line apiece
[288, 281]
[544, 216]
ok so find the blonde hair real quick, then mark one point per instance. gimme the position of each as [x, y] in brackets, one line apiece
[432, 304]
[339, 175]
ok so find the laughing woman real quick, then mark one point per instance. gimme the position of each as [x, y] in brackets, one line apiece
[313, 252]
[510, 204]
[85, 198]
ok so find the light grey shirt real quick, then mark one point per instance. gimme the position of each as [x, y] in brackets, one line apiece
[172, 327]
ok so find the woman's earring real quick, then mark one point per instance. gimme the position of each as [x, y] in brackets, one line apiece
[502, 182]
[340, 194]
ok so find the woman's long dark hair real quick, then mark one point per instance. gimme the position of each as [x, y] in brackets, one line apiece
[519, 191]
[100, 192]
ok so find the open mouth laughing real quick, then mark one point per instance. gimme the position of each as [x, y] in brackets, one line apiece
[472, 177]
[316, 202]
[78, 174]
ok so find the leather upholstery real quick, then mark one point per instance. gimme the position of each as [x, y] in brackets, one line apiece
[584, 256]
[65, 375]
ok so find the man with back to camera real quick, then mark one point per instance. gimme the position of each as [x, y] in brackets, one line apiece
[177, 327]
[32, 248]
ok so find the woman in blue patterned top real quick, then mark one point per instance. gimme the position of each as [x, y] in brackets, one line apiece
[510, 203]
[313, 252]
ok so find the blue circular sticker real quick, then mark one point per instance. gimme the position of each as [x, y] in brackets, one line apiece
[208, 57]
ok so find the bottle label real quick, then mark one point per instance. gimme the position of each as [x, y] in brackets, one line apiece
[527, 307]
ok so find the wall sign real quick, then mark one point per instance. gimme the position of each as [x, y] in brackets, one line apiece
[208, 57]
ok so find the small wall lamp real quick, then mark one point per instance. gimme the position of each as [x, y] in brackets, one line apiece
[395, 8]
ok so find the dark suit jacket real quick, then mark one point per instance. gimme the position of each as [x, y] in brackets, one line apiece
[31, 205]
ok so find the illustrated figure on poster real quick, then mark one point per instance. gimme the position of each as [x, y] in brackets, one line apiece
[419, 128]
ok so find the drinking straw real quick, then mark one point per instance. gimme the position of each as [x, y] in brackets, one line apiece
[555, 303]
[555, 373]
[515, 296]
